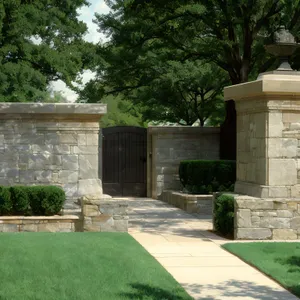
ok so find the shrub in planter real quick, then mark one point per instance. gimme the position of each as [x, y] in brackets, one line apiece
[20, 200]
[6, 204]
[224, 214]
[46, 200]
[52, 199]
[206, 176]
[31, 200]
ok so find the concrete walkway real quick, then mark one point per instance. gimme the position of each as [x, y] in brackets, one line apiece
[182, 244]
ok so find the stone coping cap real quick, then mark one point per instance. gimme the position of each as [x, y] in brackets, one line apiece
[111, 202]
[53, 108]
[67, 217]
[263, 87]
[183, 129]
[189, 195]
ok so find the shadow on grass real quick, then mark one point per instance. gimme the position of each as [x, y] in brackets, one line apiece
[144, 291]
[292, 261]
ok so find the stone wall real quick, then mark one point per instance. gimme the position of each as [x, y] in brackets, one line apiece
[51, 144]
[168, 146]
[200, 204]
[275, 219]
[105, 215]
[39, 224]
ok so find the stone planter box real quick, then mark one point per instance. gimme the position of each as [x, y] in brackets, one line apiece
[105, 215]
[190, 203]
[39, 224]
[266, 219]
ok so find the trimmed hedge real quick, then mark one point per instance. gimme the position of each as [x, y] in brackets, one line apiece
[224, 215]
[31, 200]
[207, 176]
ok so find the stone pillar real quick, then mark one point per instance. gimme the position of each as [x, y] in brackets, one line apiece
[268, 135]
[54, 144]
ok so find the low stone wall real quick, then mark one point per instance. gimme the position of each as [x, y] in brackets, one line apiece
[106, 215]
[201, 204]
[168, 146]
[272, 219]
[39, 224]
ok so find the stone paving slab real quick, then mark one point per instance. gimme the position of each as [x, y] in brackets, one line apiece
[182, 243]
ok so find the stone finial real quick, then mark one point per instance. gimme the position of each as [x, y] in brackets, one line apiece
[283, 46]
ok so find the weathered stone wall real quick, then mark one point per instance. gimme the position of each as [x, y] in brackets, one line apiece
[168, 146]
[39, 224]
[51, 144]
[106, 215]
[201, 204]
[276, 219]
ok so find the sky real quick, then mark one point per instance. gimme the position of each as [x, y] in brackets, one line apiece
[87, 16]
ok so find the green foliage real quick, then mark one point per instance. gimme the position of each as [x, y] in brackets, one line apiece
[31, 200]
[6, 204]
[224, 215]
[20, 200]
[121, 113]
[206, 176]
[40, 41]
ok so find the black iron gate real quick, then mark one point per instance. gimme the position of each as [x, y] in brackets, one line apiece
[124, 152]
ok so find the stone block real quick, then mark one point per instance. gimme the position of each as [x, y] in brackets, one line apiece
[254, 204]
[65, 176]
[91, 228]
[82, 139]
[279, 191]
[284, 214]
[292, 205]
[282, 148]
[85, 150]
[42, 176]
[275, 222]
[29, 228]
[253, 233]
[295, 191]
[92, 139]
[121, 225]
[61, 149]
[42, 149]
[10, 228]
[68, 138]
[70, 162]
[71, 190]
[90, 210]
[280, 204]
[287, 174]
[48, 227]
[284, 234]
[52, 138]
[275, 124]
[89, 187]
[88, 166]
[243, 218]
[295, 223]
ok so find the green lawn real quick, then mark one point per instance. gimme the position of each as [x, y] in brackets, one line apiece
[280, 261]
[85, 266]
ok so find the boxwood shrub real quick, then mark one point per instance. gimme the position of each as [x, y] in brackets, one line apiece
[207, 176]
[31, 200]
[224, 214]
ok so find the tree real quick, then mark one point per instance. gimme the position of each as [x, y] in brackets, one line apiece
[40, 41]
[228, 33]
[121, 112]
[182, 93]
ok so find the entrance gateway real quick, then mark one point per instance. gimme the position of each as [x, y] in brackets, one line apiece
[124, 157]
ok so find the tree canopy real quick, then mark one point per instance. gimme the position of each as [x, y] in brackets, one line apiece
[40, 41]
[176, 56]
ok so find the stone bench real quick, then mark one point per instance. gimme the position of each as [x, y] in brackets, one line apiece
[190, 203]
